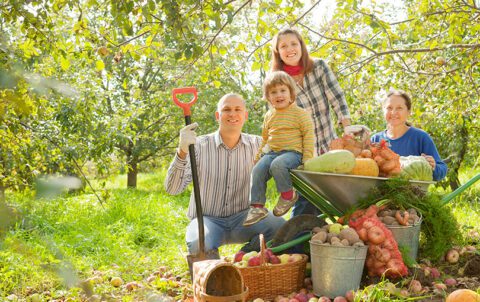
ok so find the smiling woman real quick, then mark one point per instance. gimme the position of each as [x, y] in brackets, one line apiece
[404, 139]
[317, 91]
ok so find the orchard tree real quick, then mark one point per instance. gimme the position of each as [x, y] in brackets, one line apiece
[429, 49]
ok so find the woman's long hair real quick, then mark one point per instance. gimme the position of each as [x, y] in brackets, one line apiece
[305, 60]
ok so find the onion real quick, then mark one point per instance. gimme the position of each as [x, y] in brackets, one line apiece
[362, 233]
[415, 286]
[450, 282]
[376, 235]
[452, 256]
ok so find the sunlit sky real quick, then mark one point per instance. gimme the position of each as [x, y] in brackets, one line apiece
[325, 9]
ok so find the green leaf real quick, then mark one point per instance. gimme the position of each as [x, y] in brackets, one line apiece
[64, 63]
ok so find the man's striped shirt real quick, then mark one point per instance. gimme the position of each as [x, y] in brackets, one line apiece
[223, 173]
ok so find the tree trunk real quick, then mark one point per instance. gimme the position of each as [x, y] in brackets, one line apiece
[132, 174]
[457, 161]
[2, 193]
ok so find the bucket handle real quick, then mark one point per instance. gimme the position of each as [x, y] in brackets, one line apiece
[242, 297]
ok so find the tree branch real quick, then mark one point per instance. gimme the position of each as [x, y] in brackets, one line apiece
[417, 50]
[305, 13]
[339, 40]
[131, 39]
[209, 44]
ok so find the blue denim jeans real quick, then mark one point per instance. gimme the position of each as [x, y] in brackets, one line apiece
[303, 206]
[278, 165]
[227, 230]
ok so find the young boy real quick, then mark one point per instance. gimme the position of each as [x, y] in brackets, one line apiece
[288, 141]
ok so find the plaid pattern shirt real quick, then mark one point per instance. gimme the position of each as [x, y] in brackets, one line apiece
[223, 174]
[320, 91]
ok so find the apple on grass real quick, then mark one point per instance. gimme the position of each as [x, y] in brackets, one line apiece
[116, 281]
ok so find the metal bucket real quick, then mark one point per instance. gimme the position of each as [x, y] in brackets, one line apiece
[408, 236]
[336, 269]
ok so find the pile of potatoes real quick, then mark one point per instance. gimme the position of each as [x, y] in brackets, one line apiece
[337, 235]
[395, 217]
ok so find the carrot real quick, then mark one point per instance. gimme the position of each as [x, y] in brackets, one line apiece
[402, 220]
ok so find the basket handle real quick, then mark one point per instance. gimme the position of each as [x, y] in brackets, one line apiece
[263, 247]
[242, 297]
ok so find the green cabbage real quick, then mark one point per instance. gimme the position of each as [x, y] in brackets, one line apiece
[415, 168]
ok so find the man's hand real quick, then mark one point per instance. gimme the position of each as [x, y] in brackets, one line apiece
[187, 137]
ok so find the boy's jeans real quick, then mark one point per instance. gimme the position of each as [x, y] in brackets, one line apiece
[278, 165]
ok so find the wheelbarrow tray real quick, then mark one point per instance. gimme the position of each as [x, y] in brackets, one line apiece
[344, 191]
[332, 192]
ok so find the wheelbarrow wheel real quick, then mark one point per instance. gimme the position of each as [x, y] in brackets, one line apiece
[295, 226]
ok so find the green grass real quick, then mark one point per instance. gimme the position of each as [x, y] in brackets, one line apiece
[58, 242]
[131, 235]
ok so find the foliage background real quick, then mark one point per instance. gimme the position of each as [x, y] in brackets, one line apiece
[85, 89]
[86, 84]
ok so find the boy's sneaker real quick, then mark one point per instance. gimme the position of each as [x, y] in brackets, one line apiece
[255, 215]
[283, 205]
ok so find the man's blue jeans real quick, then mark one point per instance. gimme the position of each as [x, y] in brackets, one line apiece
[227, 230]
[278, 165]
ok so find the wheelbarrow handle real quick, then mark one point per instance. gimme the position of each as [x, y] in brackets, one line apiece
[185, 106]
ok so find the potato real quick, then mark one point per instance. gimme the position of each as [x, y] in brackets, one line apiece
[345, 242]
[385, 213]
[412, 212]
[389, 220]
[330, 235]
[320, 236]
[350, 235]
[334, 239]
[316, 229]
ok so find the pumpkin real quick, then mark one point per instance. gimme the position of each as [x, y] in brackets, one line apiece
[334, 161]
[463, 295]
[365, 167]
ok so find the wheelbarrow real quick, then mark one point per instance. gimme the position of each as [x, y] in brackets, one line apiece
[334, 194]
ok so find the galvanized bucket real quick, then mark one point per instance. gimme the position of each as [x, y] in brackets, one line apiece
[336, 269]
[408, 236]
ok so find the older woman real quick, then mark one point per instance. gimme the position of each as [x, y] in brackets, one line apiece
[404, 139]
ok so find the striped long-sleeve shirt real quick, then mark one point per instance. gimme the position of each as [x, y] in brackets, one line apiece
[320, 91]
[289, 129]
[223, 173]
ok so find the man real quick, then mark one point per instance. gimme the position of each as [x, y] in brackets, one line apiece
[225, 160]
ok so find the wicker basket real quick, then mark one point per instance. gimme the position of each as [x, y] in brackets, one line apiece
[217, 281]
[268, 281]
